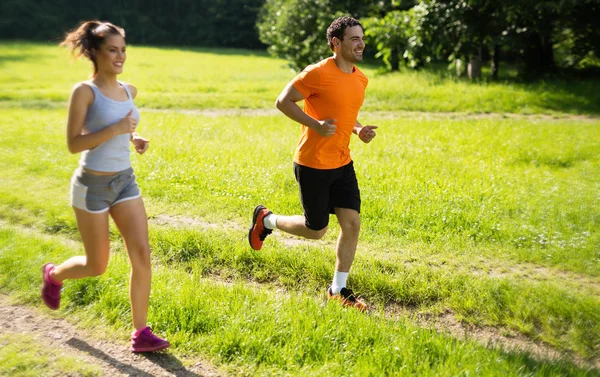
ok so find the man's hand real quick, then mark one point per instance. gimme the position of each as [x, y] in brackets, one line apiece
[367, 133]
[326, 127]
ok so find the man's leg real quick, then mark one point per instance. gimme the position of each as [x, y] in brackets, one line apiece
[349, 220]
[296, 225]
[314, 187]
[264, 221]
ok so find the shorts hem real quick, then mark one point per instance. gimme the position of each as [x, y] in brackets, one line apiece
[344, 207]
[90, 211]
[126, 199]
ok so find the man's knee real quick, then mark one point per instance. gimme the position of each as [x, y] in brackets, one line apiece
[317, 234]
[350, 224]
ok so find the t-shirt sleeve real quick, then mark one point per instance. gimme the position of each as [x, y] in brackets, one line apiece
[364, 79]
[308, 82]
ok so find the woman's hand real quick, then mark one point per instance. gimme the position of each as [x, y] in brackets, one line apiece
[126, 125]
[141, 145]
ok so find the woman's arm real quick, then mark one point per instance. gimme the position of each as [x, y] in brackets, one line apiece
[81, 99]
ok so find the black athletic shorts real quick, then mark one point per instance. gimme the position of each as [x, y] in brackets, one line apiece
[323, 190]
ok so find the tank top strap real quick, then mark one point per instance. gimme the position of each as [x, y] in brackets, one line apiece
[94, 87]
[124, 85]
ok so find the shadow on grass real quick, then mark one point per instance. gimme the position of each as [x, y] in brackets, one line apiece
[531, 365]
[170, 363]
[164, 360]
[565, 91]
[12, 58]
[22, 53]
[262, 53]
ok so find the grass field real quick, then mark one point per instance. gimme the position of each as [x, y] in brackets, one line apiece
[489, 219]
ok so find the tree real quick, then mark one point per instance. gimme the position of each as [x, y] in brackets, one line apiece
[224, 23]
[296, 30]
[470, 29]
[390, 36]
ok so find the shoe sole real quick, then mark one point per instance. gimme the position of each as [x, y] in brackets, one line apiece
[257, 210]
[44, 282]
[150, 349]
[363, 309]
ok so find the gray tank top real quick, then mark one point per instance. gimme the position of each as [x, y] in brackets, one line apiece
[113, 154]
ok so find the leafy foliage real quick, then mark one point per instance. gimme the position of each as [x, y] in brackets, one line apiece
[296, 30]
[528, 31]
[224, 23]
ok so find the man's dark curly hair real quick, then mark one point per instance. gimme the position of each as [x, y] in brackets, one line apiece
[338, 28]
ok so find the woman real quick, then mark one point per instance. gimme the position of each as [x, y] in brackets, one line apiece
[101, 123]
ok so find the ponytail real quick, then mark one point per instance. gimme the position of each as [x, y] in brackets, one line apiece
[88, 36]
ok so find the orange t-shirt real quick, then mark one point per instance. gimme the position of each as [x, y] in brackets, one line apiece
[329, 94]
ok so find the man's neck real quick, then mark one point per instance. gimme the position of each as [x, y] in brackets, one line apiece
[344, 65]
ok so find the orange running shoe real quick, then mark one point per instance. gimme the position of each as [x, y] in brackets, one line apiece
[347, 298]
[258, 232]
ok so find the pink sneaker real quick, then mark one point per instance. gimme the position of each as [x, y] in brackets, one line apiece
[50, 288]
[145, 341]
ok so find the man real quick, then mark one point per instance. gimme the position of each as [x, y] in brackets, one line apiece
[333, 91]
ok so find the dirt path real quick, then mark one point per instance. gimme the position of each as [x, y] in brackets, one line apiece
[384, 114]
[112, 358]
[446, 323]
[116, 360]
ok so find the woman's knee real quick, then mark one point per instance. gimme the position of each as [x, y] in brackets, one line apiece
[97, 269]
[140, 257]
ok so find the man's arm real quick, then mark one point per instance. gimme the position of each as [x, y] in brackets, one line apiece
[286, 103]
[364, 133]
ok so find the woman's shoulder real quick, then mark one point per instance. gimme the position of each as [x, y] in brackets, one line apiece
[130, 87]
[83, 90]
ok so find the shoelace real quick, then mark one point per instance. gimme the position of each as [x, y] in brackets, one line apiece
[145, 335]
[349, 295]
[264, 233]
[153, 337]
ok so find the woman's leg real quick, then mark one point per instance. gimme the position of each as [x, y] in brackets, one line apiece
[130, 217]
[93, 228]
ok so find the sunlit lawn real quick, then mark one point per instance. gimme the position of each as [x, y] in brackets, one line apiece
[239, 79]
[492, 219]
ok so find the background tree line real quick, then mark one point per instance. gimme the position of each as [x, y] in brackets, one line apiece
[218, 23]
[537, 35]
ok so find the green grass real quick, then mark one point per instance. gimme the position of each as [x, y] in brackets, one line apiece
[24, 356]
[493, 219]
[238, 79]
[260, 332]
[521, 196]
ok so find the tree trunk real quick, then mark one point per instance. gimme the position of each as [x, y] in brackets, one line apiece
[474, 67]
[395, 60]
[547, 52]
[538, 55]
[495, 65]
[460, 67]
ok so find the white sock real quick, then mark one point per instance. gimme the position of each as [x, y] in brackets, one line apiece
[339, 281]
[270, 221]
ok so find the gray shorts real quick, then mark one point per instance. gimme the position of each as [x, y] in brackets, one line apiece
[97, 193]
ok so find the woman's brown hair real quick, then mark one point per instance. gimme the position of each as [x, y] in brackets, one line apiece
[88, 36]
